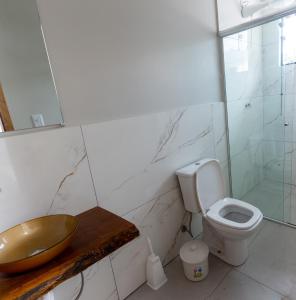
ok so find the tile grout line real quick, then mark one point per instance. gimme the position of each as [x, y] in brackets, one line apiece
[89, 166]
[220, 282]
[165, 266]
[261, 283]
[212, 108]
[154, 199]
[115, 283]
[257, 235]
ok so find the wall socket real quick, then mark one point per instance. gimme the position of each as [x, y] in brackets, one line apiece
[38, 120]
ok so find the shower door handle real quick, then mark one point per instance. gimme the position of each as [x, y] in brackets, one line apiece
[286, 124]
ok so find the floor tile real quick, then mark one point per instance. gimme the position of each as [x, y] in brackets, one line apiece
[272, 259]
[178, 287]
[252, 239]
[268, 197]
[238, 286]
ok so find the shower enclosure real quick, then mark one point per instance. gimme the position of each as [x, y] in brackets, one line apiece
[260, 75]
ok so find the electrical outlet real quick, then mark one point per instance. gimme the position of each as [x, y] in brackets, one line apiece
[38, 120]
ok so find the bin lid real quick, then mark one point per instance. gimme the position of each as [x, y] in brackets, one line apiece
[194, 252]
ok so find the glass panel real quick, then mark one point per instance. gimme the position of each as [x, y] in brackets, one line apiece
[289, 40]
[253, 69]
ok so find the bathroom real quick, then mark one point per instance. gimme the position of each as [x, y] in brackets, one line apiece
[103, 101]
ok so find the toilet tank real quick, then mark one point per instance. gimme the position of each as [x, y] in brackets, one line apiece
[187, 182]
[201, 185]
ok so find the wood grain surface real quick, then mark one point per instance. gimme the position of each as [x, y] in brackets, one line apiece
[99, 234]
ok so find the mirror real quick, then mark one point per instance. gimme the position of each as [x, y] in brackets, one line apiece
[28, 97]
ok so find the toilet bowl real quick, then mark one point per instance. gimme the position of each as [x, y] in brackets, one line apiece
[228, 223]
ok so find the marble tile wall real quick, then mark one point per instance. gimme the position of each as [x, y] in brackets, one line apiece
[245, 99]
[261, 100]
[44, 173]
[126, 166]
[135, 177]
[279, 109]
[243, 65]
[274, 116]
[99, 284]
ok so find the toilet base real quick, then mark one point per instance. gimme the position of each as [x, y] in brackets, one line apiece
[233, 252]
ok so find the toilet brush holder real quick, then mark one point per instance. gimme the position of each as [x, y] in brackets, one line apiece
[155, 275]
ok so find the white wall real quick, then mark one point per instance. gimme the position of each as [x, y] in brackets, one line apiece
[229, 12]
[113, 59]
[130, 165]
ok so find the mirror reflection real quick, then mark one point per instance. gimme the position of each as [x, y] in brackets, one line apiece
[27, 93]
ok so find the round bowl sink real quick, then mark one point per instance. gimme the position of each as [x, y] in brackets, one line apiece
[35, 242]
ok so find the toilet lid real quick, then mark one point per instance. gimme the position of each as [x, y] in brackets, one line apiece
[194, 252]
[209, 184]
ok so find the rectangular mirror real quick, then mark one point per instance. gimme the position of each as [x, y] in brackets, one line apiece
[28, 97]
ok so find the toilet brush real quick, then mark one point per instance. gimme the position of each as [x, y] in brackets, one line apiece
[155, 275]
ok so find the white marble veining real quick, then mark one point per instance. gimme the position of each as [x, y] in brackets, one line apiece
[135, 177]
[243, 64]
[289, 117]
[220, 134]
[245, 86]
[247, 170]
[289, 79]
[139, 156]
[99, 284]
[160, 220]
[133, 163]
[273, 118]
[221, 140]
[268, 197]
[273, 159]
[44, 173]
[129, 266]
[272, 79]
[245, 121]
[261, 118]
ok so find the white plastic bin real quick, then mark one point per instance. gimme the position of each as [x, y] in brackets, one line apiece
[194, 256]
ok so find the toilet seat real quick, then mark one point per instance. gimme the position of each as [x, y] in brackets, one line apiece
[229, 205]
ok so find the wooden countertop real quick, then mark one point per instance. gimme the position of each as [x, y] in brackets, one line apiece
[99, 233]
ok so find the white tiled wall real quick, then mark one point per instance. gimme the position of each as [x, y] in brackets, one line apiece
[261, 99]
[132, 164]
[244, 84]
[44, 173]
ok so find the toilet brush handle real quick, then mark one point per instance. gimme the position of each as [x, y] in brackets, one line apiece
[150, 246]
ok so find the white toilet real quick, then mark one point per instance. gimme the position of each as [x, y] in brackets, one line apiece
[227, 223]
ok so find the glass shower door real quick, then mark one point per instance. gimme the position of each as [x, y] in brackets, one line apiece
[253, 71]
[288, 51]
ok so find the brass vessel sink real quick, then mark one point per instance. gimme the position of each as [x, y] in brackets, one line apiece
[35, 242]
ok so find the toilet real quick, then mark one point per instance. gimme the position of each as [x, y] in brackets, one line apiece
[227, 223]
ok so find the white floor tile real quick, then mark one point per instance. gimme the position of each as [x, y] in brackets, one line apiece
[268, 274]
[272, 258]
[178, 287]
[238, 286]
